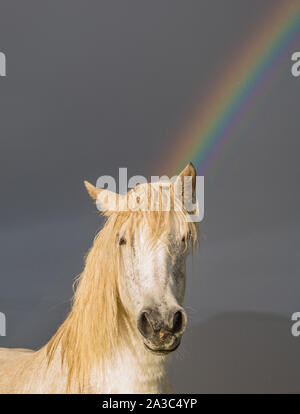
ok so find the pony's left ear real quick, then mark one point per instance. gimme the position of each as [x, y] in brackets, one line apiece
[188, 171]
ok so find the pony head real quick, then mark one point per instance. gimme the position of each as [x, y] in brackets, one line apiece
[147, 238]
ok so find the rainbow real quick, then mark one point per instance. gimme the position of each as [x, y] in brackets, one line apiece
[257, 62]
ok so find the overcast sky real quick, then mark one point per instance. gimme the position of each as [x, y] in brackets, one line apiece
[98, 85]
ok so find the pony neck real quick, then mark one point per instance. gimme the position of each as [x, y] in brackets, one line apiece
[130, 369]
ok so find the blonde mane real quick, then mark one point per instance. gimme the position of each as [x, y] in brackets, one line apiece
[98, 324]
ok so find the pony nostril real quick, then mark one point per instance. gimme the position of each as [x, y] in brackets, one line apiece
[178, 322]
[144, 324]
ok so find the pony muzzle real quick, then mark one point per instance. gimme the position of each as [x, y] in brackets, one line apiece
[161, 334]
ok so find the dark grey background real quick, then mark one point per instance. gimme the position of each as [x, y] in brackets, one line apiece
[92, 86]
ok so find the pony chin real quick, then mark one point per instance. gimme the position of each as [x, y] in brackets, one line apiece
[163, 352]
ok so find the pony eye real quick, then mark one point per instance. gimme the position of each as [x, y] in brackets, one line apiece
[122, 241]
[187, 237]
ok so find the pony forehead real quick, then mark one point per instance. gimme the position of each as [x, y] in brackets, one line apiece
[149, 207]
[157, 224]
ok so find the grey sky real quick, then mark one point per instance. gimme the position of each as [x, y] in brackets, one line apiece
[94, 86]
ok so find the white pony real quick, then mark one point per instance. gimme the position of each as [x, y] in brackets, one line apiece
[127, 314]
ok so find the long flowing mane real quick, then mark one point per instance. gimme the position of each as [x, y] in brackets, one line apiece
[98, 324]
